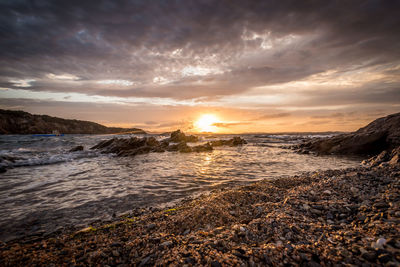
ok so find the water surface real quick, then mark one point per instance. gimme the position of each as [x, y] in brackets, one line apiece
[49, 188]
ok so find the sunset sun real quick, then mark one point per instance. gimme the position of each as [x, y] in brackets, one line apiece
[206, 123]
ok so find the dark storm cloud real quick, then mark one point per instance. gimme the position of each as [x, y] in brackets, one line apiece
[136, 40]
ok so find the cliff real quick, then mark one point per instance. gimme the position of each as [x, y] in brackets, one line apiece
[20, 122]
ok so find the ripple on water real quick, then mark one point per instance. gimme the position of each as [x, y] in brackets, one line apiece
[87, 186]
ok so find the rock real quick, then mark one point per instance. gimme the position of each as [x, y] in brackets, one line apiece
[369, 256]
[178, 136]
[77, 148]
[151, 226]
[380, 243]
[216, 264]
[3, 169]
[306, 206]
[133, 146]
[379, 135]
[395, 160]
[167, 243]
[354, 190]
[327, 192]
[235, 141]
[115, 253]
[202, 148]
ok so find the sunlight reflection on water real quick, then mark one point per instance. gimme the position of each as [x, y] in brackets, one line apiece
[76, 188]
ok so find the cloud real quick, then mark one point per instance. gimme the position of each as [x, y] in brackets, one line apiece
[275, 56]
[273, 116]
[203, 49]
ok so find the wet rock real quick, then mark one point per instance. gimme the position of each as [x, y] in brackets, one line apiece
[381, 134]
[77, 148]
[178, 136]
[235, 141]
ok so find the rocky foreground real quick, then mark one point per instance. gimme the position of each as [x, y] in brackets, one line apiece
[333, 218]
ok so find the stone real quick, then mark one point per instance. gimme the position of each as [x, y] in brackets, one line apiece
[77, 148]
[381, 134]
[151, 226]
[115, 253]
[216, 264]
[166, 244]
[354, 190]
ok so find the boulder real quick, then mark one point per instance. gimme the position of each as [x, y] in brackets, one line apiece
[178, 136]
[235, 141]
[202, 148]
[381, 134]
[77, 148]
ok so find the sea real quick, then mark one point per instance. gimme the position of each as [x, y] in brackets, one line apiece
[48, 189]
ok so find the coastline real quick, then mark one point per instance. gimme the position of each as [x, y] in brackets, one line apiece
[349, 216]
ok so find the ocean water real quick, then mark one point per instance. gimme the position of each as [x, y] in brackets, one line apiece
[49, 188]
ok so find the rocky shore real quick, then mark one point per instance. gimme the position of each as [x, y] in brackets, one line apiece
[333, 218]
[381, 134]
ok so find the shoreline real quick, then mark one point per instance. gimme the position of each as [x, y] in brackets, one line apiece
[349, 216]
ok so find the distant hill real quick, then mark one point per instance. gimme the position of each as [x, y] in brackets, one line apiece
[20, 122]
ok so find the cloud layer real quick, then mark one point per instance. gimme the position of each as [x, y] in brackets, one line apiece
[246, 54]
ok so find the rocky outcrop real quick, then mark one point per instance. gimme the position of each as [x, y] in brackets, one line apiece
[178, 136]
[177, 142]
[235, 141]
[384, 159]
[381, 134]
[20, 122]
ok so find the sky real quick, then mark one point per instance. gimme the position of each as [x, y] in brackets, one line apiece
[253, 66]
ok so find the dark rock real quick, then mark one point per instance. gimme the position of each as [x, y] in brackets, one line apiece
[381, 134]
[178, 136]
[369, 256]
[3, 169]
[202, 148]
[216, 264]
[235, 141]
[77, 148]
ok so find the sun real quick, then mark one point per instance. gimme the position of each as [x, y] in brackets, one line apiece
[206, 123]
